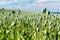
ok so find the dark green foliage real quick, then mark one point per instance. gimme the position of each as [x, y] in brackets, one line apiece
[13, 12]
[44, 10]
[56, 35]
[48, 12]
[19, 11]
[2, 8]
[2, 12]
[52, 36]
[9, 14]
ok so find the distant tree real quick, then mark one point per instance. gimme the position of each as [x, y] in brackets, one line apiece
[48, 12]
[2, 8]
[13, 12]
[44, 10]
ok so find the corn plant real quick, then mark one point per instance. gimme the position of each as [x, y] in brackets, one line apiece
[15, 25]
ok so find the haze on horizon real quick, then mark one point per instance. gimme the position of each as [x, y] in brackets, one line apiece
[32, 5]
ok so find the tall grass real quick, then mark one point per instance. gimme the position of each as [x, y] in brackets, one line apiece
[42, 26]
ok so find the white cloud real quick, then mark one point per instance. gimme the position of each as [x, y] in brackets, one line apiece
[39, 6]
[2, 2]
[7, 2]
[40, 0]
[34, 5]
[49, 1]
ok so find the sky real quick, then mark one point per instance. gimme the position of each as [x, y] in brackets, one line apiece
[32, 5]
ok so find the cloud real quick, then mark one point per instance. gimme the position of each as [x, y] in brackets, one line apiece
[3, 2]
[15, 2]
[47, 1]
[39, 6]
[6, 2]
[35, 5]
[40, 0]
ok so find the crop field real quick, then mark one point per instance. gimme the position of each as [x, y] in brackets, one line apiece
[26, 25]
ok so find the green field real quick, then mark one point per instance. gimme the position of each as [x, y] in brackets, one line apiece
[27, 25]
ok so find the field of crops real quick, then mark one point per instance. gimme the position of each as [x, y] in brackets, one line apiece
[24, 25]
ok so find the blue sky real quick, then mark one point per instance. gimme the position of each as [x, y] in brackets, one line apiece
[32, 5]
